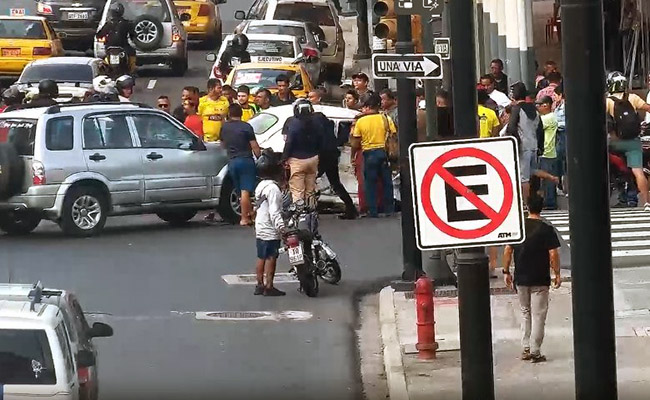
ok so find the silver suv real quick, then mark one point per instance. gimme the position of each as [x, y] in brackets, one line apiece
[76, 164]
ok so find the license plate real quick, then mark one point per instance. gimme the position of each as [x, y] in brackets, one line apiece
[77, 16]
[269, 59]
[296, 256]
[11, 52]
[114, 59]
[17, 12]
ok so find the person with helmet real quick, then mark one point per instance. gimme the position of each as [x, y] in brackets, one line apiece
[234, 54]
[48, 91]
[625, 127]
[103, 90]
[269, 225]
[303, 139]
[124, 85]
[116, 31]
[11, 99]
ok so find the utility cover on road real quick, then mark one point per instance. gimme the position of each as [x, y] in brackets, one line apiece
[413, 66]
[419, 7]
[466, 193]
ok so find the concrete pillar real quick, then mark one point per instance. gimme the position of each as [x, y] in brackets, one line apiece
[523, 43]
[491, 7]
[485, 42]
[501, 25]
[480, 47]
[513, 65]
[528, 4]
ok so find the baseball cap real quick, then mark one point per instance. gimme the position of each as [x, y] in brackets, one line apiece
[361, 75]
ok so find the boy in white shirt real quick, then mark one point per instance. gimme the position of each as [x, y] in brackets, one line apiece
[269, 226]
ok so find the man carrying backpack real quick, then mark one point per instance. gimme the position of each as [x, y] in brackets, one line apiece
[623, 108]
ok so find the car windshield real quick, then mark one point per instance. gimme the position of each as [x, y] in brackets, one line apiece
[277, 48]
[297, 31]
[58, 72]
[305, 12]
[155, 8]
[262, 122]
[25, 358]
[21, 133]
[265, 78]
[21, 29]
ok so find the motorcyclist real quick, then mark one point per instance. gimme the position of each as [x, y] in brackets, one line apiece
[124, 85]
[626, 128]
[104, 90]
[11, 99]
[234, 54]
[117, 30]
[48, 91]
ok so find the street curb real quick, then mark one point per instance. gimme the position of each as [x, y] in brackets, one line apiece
[392, 350]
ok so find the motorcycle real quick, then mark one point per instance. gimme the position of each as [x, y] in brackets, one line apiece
[118, 61]
[309, 256]
[621, 179]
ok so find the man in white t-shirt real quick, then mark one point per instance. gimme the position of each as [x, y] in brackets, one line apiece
[502, 100]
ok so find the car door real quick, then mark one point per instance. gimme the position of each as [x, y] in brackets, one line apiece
[110, 151]
[173, 171]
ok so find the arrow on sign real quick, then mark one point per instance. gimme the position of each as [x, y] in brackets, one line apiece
[423, 66]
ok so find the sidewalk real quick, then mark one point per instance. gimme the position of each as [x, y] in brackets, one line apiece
[410, 378]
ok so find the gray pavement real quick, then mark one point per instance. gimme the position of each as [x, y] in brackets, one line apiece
[146, 279]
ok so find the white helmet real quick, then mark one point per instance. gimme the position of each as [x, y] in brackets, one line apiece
[103, 84]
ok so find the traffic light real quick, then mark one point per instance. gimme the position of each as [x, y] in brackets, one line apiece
[384, 19]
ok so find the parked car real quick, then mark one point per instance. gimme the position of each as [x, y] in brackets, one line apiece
[84, 162]
[80, 334]
[159, 34]
[74, 20]
[24, 39]
[262, 75]
[205, 24]
[322, 16]
[266, 48]
[74, 75]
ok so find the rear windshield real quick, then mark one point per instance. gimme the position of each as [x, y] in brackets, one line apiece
[305, 12]
[277, 48]
[155, 8]
[262, 122]
[21, 29]
[59, 72]
[20, 132]
[297, 31]
[26, 358]
[265, 78]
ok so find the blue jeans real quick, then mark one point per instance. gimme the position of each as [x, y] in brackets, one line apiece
[550, 196]
[375, 167]
[561, 153]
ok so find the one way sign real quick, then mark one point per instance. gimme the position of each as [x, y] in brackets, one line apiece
[412, 66]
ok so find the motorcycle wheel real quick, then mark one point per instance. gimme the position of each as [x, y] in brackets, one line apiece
[332, 272]
[308, 280]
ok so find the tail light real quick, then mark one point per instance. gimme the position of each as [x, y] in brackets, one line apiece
[309, 52]
[176, 34]
[204, 10]
[42, 51]
[44, 9]
[84, 375]
[292, 241]
[38, 173]
[217, 72]
[101, 39]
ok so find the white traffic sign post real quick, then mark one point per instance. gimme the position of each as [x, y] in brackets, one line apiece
[412, 66]
[466, 193]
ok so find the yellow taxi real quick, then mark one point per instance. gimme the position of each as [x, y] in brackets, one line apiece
[262, 75]
[205, 22]
[25, 39]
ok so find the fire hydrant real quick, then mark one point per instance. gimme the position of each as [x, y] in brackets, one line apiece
[426, 345]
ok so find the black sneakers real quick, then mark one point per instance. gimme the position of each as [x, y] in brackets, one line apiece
[273, 292]
[259, 290]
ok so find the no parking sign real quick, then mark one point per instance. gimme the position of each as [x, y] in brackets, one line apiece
[466, 193]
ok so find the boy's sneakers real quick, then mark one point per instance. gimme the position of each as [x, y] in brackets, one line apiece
[259, 290]
[273, 292]
[537, 358]
[525, 355]
[646, 207]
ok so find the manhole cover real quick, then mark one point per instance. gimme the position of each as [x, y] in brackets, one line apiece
[251, 279]
[237, 314]
[253, 316]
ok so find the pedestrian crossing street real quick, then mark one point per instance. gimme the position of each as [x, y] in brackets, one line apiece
[630, 230]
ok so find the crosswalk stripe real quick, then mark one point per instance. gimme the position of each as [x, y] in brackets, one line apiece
[614, 227]
[565, 220]
[631, 253]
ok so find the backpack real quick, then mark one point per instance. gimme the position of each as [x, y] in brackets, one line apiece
[626, 119]
[392, 142]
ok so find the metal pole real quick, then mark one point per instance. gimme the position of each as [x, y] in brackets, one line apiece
[594, 340]
[363, 46]
[475, 322]
[407, 135]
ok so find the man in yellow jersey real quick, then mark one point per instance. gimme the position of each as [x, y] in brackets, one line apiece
[489, 124]
[248, 109]
[213, 108]
[369, 136]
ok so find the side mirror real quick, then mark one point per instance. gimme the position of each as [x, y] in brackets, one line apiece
[240, 15]
[198, 145]
[211, 57]
[86, 359]
[185, 17]
[100, 329]
[61, 35]
[322, 45]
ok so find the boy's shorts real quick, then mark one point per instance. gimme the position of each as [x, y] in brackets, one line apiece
[267, 248]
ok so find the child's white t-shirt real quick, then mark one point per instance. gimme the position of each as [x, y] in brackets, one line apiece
[268, 219]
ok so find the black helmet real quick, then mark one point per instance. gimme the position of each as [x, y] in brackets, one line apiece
[124, 82]
[116, 10]
[302, 108]
[267, 164]
[48, 87]
[13, 96]
[240, 42]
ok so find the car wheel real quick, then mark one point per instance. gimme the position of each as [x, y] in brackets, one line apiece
[176, 217]
[12, 171]
[85, 209]
[179, 67]
[229, 203]
[147, 32]
[19, 222]
[334, 73]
